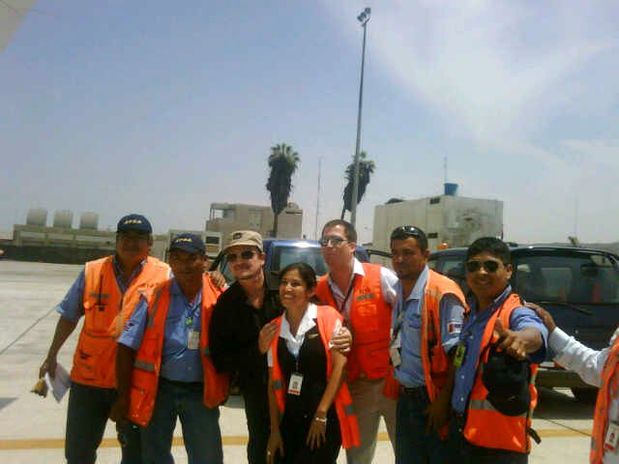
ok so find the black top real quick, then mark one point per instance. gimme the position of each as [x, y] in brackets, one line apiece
[312, 364]
[233, 335]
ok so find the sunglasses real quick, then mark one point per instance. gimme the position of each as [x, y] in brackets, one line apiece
[490, 265]
[332, 240]
[403, 232]
[244, 255]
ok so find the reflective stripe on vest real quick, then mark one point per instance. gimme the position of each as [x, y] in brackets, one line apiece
[485, 426]
[326, 320]
[433, 357]
[106, 310]
[145, 378]
[370, 323]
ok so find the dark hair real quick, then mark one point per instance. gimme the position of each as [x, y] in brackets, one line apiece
[404, 232]
[492, 245]
[349, 229]
[308, 276]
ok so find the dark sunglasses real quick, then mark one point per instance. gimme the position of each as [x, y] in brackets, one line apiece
[403, 232]
[474, 265]
[244, 255]
[332, 240]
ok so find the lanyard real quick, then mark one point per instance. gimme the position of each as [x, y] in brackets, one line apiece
[190, 313]
[341, 308]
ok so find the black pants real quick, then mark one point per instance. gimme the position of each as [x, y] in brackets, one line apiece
[258, 424]
[88, 412]
[294, 430]
[462, 452]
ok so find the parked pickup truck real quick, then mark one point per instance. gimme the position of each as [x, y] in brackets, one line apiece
[578, 286]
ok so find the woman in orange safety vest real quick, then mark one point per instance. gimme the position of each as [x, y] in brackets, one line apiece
[310, 407]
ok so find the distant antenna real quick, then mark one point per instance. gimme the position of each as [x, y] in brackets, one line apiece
[318, 198]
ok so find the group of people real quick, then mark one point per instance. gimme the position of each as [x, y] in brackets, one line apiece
[320, 361]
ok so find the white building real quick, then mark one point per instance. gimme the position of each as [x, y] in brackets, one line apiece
[450, 219]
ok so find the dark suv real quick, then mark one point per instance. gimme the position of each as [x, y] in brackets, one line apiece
[578, 286]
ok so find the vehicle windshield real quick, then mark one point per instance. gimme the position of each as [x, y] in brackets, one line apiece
[575, 278]
[285, 255]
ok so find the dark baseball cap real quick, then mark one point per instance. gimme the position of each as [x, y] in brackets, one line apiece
[134, 223]
[507, 381]
[191, 243]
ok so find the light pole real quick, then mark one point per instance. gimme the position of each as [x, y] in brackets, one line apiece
[363, 18]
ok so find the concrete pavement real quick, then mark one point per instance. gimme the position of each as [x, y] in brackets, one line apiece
[32, 428]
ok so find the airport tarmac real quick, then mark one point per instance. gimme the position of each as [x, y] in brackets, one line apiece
[32, 428]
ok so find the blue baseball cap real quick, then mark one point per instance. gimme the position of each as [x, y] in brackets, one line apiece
[134, 223]
[191, 243]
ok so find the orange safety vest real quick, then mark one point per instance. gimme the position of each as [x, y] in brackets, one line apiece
[608, 391]
[370, 320]
[433, 357]
[326, 320]
[485, 426]
[106, 310]
[147, 364]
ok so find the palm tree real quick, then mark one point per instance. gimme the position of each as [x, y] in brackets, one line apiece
[283, 162]
[366, 168]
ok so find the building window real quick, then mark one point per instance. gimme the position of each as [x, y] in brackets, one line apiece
[433, 235]
[435, 200]
[255, 220]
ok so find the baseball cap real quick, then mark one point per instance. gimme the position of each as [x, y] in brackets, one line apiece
[191, 243]
[507, 381]
[134, 223]
[244, 237]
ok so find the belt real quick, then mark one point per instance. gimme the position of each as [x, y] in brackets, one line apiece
[417, 393]
[178, 383]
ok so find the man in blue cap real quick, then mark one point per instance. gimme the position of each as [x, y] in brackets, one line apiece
[164, 368]
[105, 293]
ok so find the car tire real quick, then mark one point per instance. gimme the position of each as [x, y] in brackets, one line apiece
[584, 394]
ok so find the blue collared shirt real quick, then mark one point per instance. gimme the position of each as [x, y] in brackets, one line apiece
[71, 307]
[472, 334]
[407, 322]
[178, 362]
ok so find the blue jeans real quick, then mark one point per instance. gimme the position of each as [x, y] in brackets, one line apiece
[200, 425]
[413, 445]
[88, 412]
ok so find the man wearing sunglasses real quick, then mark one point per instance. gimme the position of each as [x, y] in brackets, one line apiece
[486, 427]
[364, 294]
[241, 333]
[426, 326]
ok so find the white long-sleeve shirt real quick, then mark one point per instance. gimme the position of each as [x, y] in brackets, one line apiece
[588, 364]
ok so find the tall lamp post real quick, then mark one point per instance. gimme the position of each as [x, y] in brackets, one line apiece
[363, 18]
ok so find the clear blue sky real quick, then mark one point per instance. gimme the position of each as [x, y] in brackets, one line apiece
[164, 107]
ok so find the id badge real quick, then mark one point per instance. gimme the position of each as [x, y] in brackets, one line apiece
[394, 351]
[193, 340]
[294, 386]
[459, 356]
[612, 437]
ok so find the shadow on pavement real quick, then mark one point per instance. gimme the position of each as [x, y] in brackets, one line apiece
[553, 404]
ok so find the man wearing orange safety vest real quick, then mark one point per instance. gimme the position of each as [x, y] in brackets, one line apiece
[164, 367]
[105, 293]
[364, 294]
[500, 344]
[426, 326]
[597, 368]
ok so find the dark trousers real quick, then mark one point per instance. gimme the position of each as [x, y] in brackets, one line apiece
[294, 432]
[413, 444]
[258, 424]
[88, 412]
[462, 452]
